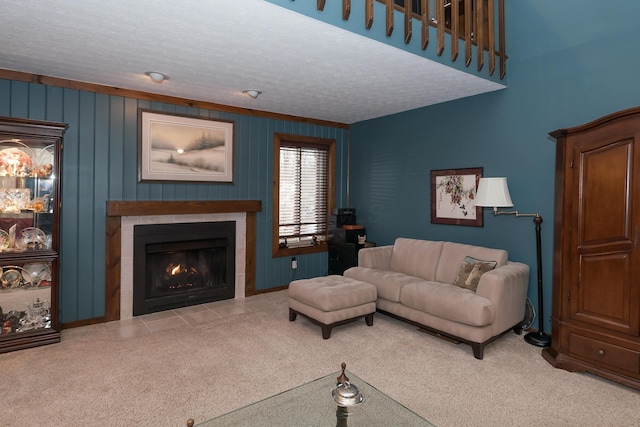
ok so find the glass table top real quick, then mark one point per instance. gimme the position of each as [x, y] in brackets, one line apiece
[312, 404]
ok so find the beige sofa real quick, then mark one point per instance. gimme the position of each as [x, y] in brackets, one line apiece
[415, 282]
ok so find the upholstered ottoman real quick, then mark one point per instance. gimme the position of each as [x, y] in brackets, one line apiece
[331, 301]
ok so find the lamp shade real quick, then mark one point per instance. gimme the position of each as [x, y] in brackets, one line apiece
[493, 192]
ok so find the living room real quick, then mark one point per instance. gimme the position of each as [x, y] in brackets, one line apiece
[567, 65]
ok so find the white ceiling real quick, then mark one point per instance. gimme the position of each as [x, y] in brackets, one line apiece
[214, 49]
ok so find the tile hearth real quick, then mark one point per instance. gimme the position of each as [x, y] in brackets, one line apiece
[195, 315]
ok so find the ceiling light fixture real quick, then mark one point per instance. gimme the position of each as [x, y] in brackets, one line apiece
[252, 93]
[156, 76]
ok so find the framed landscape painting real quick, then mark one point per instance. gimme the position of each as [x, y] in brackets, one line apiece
[174, 147]
[453, 193]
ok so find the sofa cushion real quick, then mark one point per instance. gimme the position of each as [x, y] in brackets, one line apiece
[453, 254]
[449, 302]
[388, 283]
[417, 258]
[470, 272]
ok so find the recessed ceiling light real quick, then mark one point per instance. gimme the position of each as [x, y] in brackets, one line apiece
[156, 76]
[252, 93]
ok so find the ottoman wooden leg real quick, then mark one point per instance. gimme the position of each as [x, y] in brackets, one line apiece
[326, 331]
[292, 315]
[369, 319]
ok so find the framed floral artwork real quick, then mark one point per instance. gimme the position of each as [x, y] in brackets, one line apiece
[453, 193]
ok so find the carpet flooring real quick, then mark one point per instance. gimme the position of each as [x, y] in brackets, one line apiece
[132, 373]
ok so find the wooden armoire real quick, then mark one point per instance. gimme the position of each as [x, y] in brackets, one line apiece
[596, 277]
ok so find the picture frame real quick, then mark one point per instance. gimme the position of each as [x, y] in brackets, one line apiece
[452, 197]
[180, 147]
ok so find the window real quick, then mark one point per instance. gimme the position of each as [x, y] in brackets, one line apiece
[303, 193]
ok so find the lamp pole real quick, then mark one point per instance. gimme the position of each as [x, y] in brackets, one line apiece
[540, 338]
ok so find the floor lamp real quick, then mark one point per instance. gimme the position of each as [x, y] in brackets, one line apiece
[494, 192]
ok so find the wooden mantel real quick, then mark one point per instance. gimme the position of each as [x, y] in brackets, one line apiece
[133, 208]
[117, 209]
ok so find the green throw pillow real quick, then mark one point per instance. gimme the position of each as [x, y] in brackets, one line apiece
[470, 272]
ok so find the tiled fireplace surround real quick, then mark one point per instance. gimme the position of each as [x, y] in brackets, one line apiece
[123, 215]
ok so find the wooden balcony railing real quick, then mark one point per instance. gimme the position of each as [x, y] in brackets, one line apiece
[472, 21]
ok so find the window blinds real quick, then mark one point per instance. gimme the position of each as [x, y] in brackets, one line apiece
[303, 191]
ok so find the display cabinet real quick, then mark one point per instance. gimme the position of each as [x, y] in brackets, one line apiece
[30, 153]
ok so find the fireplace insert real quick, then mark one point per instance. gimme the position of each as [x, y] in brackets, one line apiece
[182, 264]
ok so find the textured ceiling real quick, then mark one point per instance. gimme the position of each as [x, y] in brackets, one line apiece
[213, 50]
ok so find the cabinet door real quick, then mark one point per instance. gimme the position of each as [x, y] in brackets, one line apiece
[29, 232]
[603, 257]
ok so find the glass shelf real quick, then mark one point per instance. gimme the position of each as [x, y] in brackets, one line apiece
[26, 196]
[25, 296]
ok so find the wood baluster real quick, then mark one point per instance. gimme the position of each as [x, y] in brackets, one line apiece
[389, 17]
[440, 25]
[479, 33]
[503, 53]
[454, 28]
[474, 27]
[491, 37]
[346, 9]
[425, 24]
[467, 32]
[368, 14]
[408, 21]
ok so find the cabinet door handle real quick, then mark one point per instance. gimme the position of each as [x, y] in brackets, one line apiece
[601, 352]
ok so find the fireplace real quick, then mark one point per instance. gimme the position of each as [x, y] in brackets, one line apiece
[122, 216]
[182, 264]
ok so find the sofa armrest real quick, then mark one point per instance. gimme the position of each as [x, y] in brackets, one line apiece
[378, 257]
[506, 287]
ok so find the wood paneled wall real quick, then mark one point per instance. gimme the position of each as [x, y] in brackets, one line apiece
[100, 163]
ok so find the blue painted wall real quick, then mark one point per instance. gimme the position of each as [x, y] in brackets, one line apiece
[569, 63]
[100, 164]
